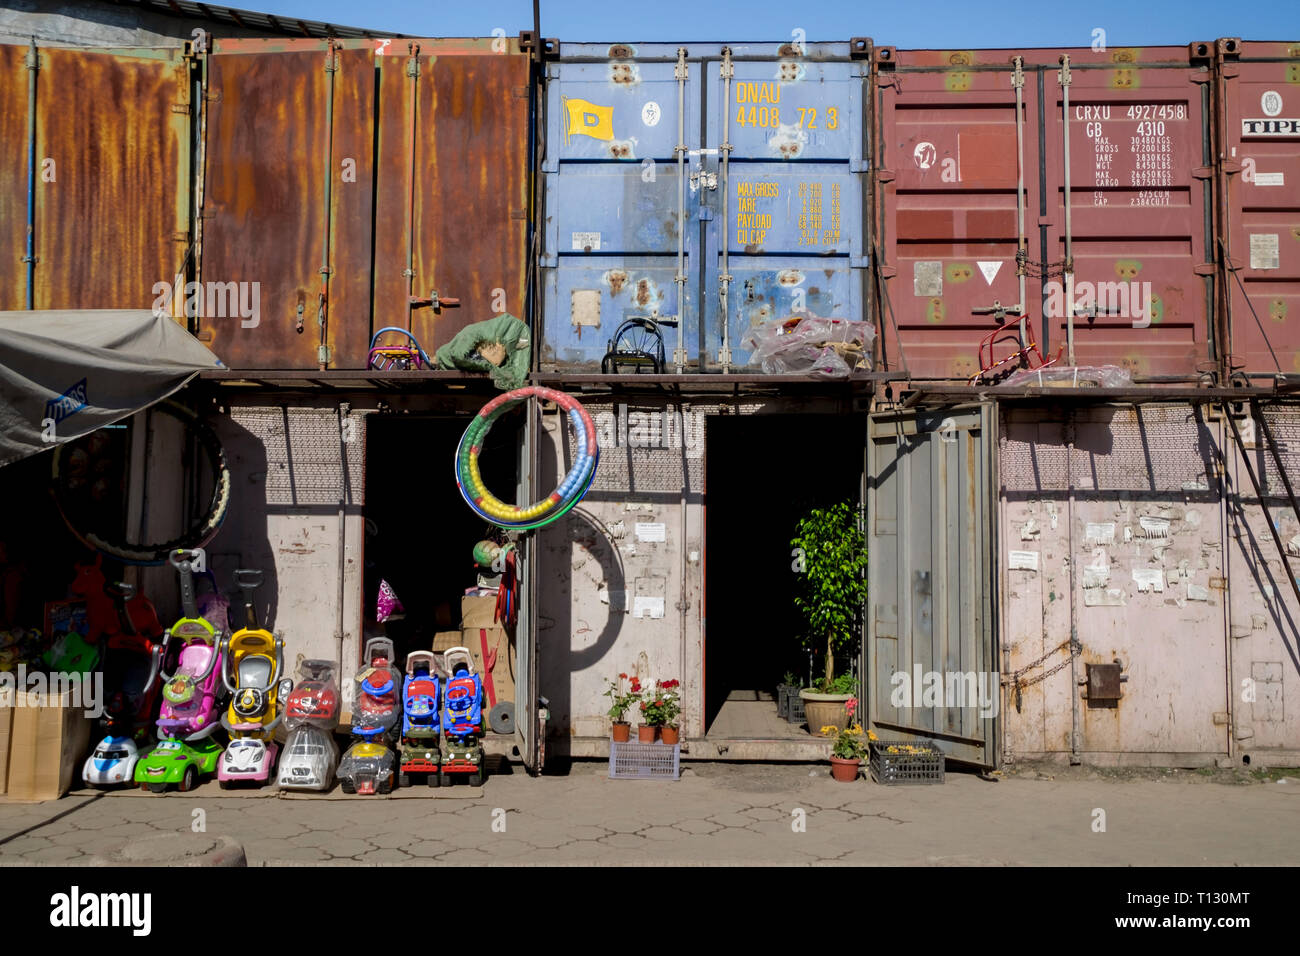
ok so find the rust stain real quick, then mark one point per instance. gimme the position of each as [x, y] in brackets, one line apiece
[620, 51]
[616, 278]
[623, 74]
[620, 150]
[111, 219]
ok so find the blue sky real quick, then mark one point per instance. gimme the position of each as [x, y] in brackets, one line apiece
[942, 24]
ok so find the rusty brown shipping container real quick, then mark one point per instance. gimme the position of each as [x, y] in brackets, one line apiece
[341, 174]
[957, 132]
[1259, 113]
[110, 194]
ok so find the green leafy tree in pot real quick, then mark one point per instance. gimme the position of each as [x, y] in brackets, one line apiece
[831, 553]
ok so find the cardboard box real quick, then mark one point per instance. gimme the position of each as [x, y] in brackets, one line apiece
[501, 651]
[6, 725]
[500, 648]
[478, 611]
[48, 741]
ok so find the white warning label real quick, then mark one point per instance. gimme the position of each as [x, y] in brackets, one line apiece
[1264, 250]
[990, 270]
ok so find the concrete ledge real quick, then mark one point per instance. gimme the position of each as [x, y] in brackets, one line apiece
[172, 849]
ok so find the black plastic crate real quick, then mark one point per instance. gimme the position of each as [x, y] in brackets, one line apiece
[903, 769]
[783, 694]
[794, 707]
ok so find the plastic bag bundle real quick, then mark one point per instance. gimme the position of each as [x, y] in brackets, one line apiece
[826, 348]
[1071, 376]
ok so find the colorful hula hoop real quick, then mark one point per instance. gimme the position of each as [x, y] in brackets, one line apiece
[573, 488]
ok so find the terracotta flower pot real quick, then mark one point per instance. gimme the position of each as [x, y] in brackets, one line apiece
[669, 735]
[646, 733]
[845, 771]
[622, 731]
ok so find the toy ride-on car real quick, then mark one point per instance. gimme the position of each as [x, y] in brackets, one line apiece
[177, 762]
[462, 718]
[421, 726]
[308, 760]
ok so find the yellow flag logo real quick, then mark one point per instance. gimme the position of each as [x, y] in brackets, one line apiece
[587, 119]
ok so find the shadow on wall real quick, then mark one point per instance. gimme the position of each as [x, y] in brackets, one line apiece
[566, 646]
[243, 540]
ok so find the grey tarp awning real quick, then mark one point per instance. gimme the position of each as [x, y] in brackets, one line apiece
[65, 373]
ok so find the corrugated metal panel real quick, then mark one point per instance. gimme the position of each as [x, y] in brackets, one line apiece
[112, 186]
[1260, 182]
[1136, 508]
[787, 202]
[13, 176]
[930, 534]
[1141, 204]
[265, 215]
[269, 137]
[471, 184]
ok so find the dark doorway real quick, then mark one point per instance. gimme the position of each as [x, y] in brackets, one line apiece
[762, 472]
[420, 534]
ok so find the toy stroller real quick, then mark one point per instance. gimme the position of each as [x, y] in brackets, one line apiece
[462, 717]
[254, 677]
[421, 723]
[191, 658]
[369, 766]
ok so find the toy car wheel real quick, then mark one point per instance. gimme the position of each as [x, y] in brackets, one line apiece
[435, 780]
[188, 781]
[224, 784]
[348, 786]
[475, 779]
[404, 780]
[157, 787]
[385, 787]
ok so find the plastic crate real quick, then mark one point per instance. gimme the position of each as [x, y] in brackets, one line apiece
[895, 770]
[794, 707]
[783, 692]
[633, 760]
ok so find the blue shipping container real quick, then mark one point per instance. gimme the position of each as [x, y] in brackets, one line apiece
[774, 225]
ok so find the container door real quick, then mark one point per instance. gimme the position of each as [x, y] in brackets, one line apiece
[1260, 185]
[930, 655]
[528, 706]
[617, 201]
[110, 186]
[786, 238]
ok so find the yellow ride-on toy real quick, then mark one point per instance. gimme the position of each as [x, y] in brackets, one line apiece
[252, 672]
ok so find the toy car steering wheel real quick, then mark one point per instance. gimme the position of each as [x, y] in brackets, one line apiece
[250, 702]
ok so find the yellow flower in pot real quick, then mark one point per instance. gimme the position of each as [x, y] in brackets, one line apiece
[847, 750]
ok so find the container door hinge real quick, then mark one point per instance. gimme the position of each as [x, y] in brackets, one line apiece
[885, 175]
[323, 355]
[860, 166]
[1205, 269]
[859, 262]
[1202, 172]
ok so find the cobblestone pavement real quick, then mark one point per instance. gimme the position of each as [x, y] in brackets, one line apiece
[716, 814]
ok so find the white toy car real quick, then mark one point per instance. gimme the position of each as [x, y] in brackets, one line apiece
[309, 758]
[112, 761]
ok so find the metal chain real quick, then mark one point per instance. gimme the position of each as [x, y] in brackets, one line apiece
[1038, 270]
[1018, 683]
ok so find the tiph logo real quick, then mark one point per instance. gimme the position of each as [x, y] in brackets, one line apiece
[924, 155]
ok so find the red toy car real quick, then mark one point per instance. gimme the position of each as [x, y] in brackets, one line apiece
[315, 698]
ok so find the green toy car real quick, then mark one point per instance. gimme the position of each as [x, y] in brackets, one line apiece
[177, 762]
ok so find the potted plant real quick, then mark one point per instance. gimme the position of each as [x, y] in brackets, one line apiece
[832, 554]
[660, 709]
[847, 750]
[620, 702]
